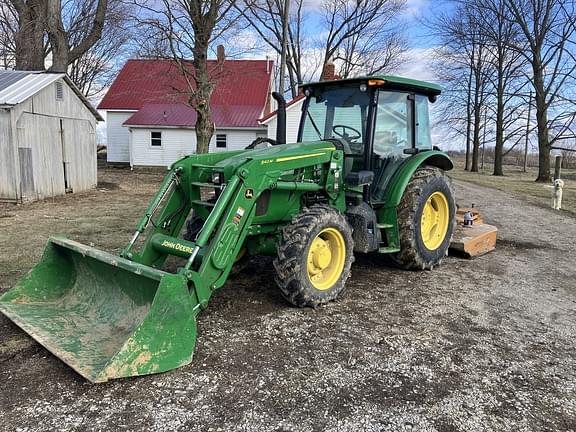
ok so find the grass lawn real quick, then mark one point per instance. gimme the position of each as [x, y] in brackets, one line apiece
[105, 217]
[522, 184]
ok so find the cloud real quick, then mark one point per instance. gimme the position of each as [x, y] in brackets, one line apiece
[418, 64]
[416, 7]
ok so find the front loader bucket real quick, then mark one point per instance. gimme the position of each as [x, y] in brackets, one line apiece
[105, 316]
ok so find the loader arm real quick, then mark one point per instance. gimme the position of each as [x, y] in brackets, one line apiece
[211, 256]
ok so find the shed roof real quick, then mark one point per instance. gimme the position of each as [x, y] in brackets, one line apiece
[17, 86]
[7, 78]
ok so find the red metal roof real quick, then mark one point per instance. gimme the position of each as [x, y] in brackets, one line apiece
[288, 104]
[242, 89]
[185, 116]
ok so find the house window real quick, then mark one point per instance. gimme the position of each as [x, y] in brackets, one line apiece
[156, 139]
[221, 141]
[59, 91]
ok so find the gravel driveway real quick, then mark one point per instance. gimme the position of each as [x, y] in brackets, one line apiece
[475, 345]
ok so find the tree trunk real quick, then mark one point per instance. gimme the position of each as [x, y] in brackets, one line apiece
[468, 121]
[476, 139]
[204, 89]
[29, 39]
[477, 109]
[204, 124]
[499, 146]
[542, 123]
[57, 36]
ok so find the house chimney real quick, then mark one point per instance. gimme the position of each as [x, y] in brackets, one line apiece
[329, 72]
[220, 54]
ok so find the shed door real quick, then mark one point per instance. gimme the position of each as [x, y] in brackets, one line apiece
[40, 155]
[79, 154]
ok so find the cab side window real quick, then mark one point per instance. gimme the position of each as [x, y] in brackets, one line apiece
[393, 132]
[423, 138]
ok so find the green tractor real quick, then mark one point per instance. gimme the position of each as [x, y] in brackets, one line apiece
[362, 178]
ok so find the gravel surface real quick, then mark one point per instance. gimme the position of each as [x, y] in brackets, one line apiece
[474, 345]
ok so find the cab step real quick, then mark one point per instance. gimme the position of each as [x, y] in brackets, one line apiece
[387, 249]
[384, 226]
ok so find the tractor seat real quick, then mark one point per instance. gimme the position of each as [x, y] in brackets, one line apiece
[386, 143]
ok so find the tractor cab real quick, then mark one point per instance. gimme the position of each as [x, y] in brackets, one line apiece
[378, 122]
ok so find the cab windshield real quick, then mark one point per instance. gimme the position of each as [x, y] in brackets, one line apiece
[337, 112]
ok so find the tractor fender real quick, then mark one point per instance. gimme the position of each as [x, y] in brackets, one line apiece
[396, 187]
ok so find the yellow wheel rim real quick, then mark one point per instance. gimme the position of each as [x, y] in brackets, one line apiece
[326, 258]
[435, 220]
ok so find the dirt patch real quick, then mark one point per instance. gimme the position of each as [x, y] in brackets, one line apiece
[474, 345]
[520, 244]
[107, 185]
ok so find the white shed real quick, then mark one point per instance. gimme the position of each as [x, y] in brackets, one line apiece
[47, 137]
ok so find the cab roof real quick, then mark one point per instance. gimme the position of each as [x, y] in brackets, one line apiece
[390, 81]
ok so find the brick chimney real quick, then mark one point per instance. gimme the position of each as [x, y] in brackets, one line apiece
[329, 72]
[220, 54]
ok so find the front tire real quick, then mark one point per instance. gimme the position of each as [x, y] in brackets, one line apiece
[314, 256]
[426, 219]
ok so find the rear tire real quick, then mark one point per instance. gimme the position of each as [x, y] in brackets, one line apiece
[314, 256]
[426, 220]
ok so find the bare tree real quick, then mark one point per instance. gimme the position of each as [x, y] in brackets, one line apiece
[494, 23]
[42, 20]
[35, 34]
[8, 30]
[266, 18]
[464, 68]
[185, 30]
[94, 70]
[379, 50]
[62, 50]
[548, 28]
[364, 35]
[29, 46]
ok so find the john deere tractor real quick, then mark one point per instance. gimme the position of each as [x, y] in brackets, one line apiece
[362, 178]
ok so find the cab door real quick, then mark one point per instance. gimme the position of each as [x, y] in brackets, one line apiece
[401, 129]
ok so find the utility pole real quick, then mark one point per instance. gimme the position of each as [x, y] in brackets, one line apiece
[281, 81]
[527, 133]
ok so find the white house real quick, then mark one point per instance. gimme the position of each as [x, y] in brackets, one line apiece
[149, 122]
[293, 113]
[47, 136]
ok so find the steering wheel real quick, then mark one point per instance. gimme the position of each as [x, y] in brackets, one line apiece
[344, 134]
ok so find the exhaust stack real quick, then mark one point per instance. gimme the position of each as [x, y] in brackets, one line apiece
[281, 118]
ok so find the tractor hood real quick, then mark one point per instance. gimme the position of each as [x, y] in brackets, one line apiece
[272, 154]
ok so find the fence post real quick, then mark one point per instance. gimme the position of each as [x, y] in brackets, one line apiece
[557, 166]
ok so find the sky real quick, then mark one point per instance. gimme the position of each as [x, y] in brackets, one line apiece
[421, 43]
